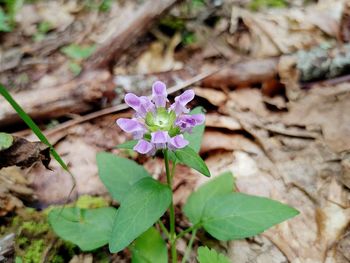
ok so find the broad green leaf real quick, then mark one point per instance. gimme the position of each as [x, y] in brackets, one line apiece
[146, 202]
[26, 118]
[195, 138]
[118, 174]
[237, 215]
[220, 185]
[6, 140]
[78, 52]
[127, 145]
[189, 157]
[206, 255]
[87, 228]
[149, 248]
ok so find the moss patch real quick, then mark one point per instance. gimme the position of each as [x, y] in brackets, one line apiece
[35, 240]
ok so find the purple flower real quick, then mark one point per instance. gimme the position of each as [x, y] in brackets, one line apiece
[159, 139]
[132, 126]
[144, 147]
[187, 122]
[156, 127]
[159, 94]
[179, 106]
[142, 105]
[177, 142]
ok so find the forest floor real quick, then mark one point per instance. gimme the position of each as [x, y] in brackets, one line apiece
[273, 77]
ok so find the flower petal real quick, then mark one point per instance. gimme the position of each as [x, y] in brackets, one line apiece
[177, 142]
[179, 106]
[132, 126]
[159, 94]
[187, 122]
[133, 101]
[142, 105]
[186, 97]
[198, 118]
[159, 137]
[144, 147]
[146, 105]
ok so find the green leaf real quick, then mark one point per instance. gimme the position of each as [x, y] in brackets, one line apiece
[13, 7]
[237, 215]
[87, 228]
[75, 68]
[118, 174]
[206, 255]
[146, 202]
[77, 52]
[195, 138]
[189, 157]
[127, 145]
[6, 140]
[220, 185]
[26, 118]
[4, 22]
[149, 248]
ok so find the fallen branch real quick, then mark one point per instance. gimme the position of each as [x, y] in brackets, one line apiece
[243, 74]
[127, 33]
[77, 96]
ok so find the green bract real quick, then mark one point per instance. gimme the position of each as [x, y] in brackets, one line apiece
[162, 120]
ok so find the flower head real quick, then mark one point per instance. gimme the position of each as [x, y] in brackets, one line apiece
[157, 127]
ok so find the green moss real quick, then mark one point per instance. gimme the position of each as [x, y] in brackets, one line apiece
[34, 234]
[34, 252]
[35, 228]
[57, 259]
[87, 201]
[22, 241]
[173, 23]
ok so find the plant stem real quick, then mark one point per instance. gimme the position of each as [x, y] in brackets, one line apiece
[163, 228]
[189, 247]
[182, 233]
[171, 209]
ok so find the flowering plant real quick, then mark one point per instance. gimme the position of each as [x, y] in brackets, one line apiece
[139, 222]
[154, 126]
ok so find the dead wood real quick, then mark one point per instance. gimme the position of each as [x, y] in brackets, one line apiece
[77, 96]
[127, 33]
[244, 74]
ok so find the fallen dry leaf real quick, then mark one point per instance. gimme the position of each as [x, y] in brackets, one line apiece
[216, 120]
[326, 108]
[215, 97]
[23, 153]
[159, 57]
[282, 31]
